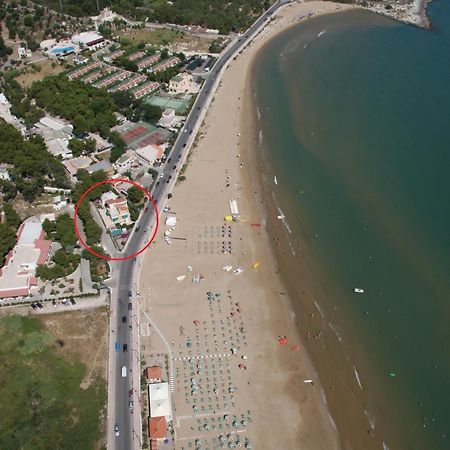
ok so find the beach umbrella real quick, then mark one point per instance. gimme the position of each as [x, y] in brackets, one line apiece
[282, 340]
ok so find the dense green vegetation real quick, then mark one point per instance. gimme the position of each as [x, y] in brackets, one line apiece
[98, 266]
[34, 166]
[87, 108]
[21, 105]
[135, 201]
[64, 262]
[82, 146]
[7, 240]
[42, 403]
[222, 15]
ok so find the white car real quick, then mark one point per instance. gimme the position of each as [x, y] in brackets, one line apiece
[116, 429]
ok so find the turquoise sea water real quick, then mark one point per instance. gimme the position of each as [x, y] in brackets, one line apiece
[356, 126]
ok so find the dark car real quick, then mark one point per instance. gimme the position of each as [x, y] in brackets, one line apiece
[125, 348]
[198, 108]
[73, 301]
[157, 183]
[33, 305]
[130, 393]
[130, 306]
[124, 319]
[167, 180]
[184, 145]
[137, 228]
[39, 305]
[170, 177]
[134, 260]
[130, 294]
[170, 159]
[174, 167]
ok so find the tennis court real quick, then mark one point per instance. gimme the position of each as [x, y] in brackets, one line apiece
[137, 132]
[178, 104]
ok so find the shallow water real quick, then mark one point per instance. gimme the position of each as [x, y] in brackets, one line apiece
[355, 125]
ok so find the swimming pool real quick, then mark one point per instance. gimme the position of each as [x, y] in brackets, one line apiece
[62, 50]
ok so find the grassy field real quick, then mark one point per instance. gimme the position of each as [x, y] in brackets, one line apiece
[52, 381]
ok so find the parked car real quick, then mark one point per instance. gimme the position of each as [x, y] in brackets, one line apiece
[39, 305]
[117, 347]
[130, 294]
[124, 319]
[130, 404]
[125, 348]
[33, 305]
[72, 300]
[130, 306]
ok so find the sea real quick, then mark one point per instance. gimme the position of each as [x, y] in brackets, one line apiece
[353, 113]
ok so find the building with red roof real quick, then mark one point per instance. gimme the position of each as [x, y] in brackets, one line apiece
[153, 374]
[157, 427]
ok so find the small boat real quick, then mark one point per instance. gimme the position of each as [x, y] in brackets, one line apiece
[238, 270]
[181, 277]
[275, 180]
[189, 268]
[281, 217]
[358, 290]
[227, 268]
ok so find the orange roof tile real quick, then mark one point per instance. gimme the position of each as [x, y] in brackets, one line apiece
[157, 427]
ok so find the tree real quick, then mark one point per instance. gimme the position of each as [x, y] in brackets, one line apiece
[7, 240]
[80, 124]
[135, 195]
[12, 218]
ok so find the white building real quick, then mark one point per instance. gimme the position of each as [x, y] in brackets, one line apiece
[159, 399]
[149, 154]
[55, 125]
[24, 52]
[59, 147]
[169, 119]
[183, 83]
[124, 163]
[91, 40]
[18, 273]
[59, 202]
[4, 175]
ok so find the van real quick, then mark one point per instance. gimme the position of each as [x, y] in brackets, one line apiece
[124, 371]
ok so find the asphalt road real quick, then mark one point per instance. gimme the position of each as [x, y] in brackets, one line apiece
[120, 300]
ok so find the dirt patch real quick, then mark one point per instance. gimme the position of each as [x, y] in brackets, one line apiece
[82, 336]
[37, 71]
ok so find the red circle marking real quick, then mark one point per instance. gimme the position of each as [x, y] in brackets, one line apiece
[111, 181]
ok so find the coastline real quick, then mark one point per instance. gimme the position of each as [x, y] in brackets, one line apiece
[414, 14]
[354, 426]
[273, 384]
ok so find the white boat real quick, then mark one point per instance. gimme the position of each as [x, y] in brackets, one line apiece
[227, 268]
[181, 277]
[275, 180]
[189, 268]
[281, 217]
[358, 290]
[238, 270]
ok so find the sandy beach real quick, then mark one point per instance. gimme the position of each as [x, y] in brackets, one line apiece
[239, 365]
